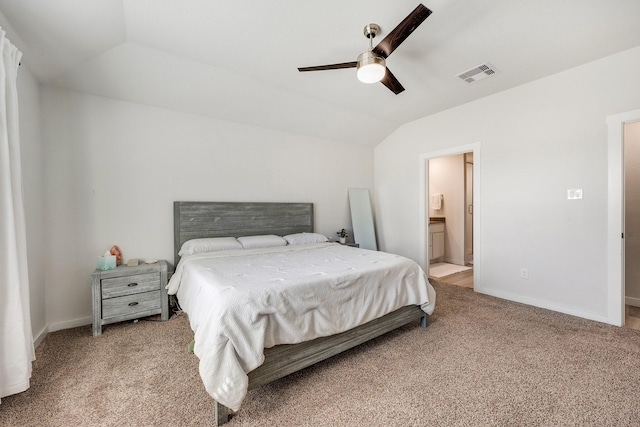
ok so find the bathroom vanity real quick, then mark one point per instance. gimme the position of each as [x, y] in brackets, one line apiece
[436, 238]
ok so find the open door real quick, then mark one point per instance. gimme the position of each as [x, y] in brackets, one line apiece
[468, 202]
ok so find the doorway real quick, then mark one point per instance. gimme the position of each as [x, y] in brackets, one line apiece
[452, 203]
[631, 223]
[615, 218]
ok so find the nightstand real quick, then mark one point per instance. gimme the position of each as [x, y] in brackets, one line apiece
[126, 293]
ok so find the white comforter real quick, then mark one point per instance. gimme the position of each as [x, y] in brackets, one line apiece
[242, 301]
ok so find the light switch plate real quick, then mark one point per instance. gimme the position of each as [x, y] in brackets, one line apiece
[574, 194]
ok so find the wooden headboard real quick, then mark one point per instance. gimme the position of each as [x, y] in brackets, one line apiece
[193, 220]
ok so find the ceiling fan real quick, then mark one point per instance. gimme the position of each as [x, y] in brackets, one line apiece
[371, 65]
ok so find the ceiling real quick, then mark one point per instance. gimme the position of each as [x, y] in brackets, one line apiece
[238, 60]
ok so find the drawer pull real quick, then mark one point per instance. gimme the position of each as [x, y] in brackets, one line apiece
[131, 285]
[131, 304]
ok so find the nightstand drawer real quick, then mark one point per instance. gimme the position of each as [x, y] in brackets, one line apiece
[128, 285]
[131, 304]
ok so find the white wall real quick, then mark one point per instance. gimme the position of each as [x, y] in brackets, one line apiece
[31, 153]
[632, 212]
[446, 177]
[114, 168]
[538, 140]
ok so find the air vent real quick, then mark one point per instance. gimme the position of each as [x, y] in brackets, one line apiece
[478, 73]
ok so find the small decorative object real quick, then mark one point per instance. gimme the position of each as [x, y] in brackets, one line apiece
[115, 251]
[106, 262]
[343, 235]
[133, 262]
[151, 261]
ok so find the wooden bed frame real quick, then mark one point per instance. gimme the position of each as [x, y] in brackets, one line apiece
[221, 219]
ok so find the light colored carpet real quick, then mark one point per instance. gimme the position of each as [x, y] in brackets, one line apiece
[442, 269]
[482, 362]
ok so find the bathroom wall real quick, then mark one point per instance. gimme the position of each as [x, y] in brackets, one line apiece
[446, 177]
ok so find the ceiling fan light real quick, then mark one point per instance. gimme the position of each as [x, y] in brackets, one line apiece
[371, 67]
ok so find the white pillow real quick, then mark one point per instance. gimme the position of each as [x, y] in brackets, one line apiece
[265, 241]
[305, 238]
[209, 244]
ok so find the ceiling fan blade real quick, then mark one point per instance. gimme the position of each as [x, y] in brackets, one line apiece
[330, 67]
[390, 81]
[402, 31]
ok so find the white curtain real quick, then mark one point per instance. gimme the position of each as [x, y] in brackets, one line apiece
[16, 341]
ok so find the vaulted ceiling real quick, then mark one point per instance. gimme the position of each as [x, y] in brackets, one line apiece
[238, 60]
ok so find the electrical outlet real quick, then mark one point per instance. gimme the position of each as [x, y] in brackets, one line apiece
[524, 273]
[574, 194]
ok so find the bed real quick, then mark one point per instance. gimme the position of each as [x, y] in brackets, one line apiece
[316, 335]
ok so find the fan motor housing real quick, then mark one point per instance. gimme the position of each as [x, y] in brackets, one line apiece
[371, 67]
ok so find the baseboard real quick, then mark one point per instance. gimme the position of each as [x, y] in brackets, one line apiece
[58, 327]
[70, 324]
[40, 337]
[454, 261]
[635, 302]
[543, 304]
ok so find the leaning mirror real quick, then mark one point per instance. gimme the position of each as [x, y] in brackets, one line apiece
[364, 233]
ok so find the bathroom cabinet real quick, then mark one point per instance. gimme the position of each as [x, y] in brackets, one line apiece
[436, 241]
